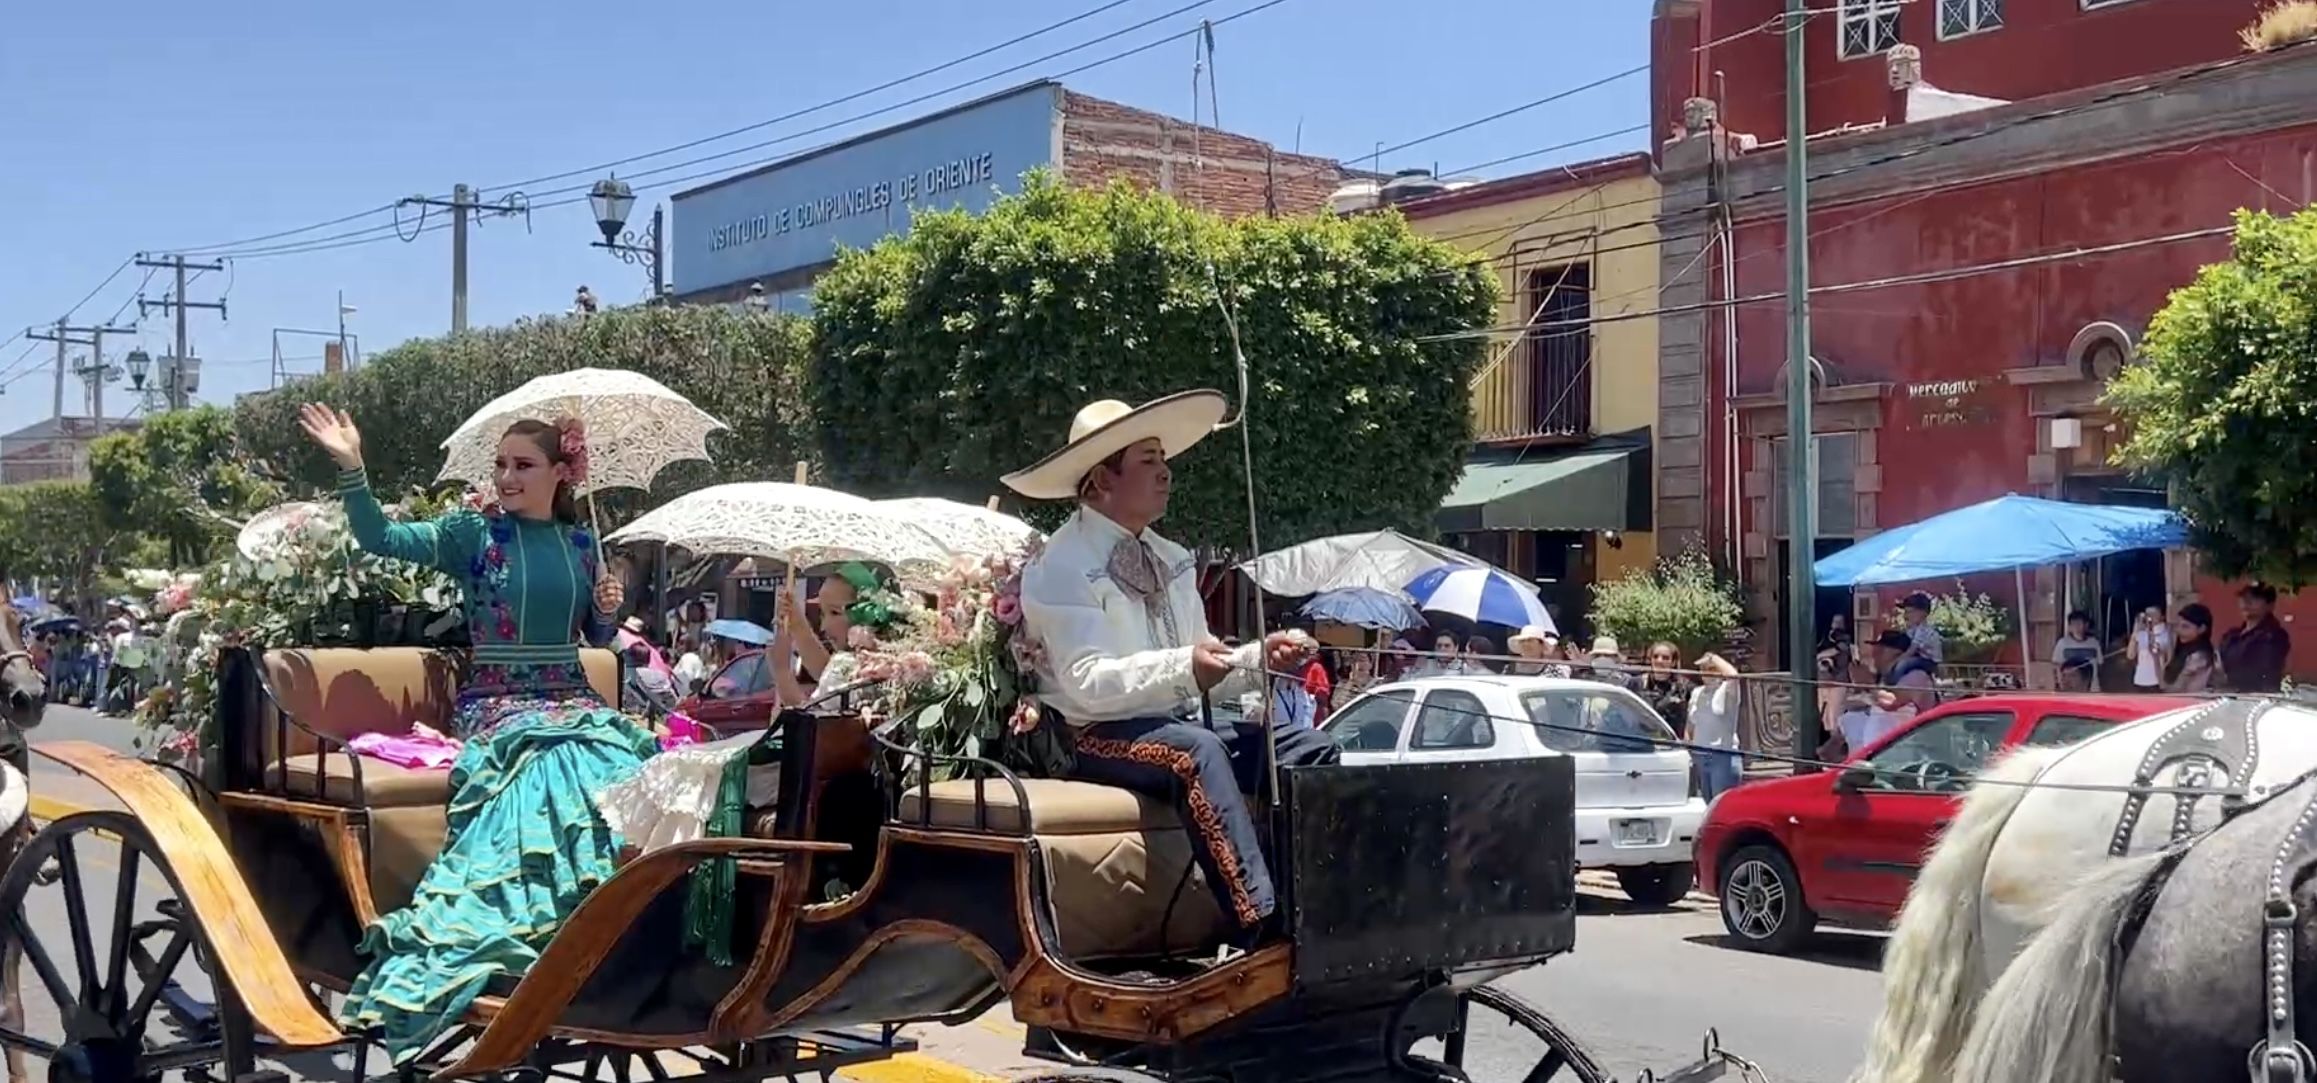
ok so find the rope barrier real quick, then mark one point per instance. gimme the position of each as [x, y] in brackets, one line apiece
[1674, 743]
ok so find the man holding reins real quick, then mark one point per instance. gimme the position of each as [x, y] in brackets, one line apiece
[1129, 656]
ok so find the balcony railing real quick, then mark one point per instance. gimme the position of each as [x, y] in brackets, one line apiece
[1543, 388]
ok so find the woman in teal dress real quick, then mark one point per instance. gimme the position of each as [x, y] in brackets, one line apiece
[525, 842]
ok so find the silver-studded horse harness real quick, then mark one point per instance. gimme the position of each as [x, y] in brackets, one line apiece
[2221, 739]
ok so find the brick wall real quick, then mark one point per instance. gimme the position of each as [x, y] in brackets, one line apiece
[1212, 170]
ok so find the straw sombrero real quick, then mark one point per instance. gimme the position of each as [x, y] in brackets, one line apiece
[1104, 428]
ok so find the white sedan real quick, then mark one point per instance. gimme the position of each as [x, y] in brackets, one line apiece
[1637, 813]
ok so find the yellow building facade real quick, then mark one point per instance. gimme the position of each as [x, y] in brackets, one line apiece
[1559, 486]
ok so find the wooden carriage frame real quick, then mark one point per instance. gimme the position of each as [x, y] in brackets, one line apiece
[815, 985]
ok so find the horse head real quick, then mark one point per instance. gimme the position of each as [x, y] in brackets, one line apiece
[23, 692]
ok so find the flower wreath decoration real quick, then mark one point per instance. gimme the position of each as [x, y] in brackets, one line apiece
[571, 441]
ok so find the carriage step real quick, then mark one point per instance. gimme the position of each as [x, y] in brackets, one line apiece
[263, 1075]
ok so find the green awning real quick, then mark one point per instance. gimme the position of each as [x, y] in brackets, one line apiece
[1594, 488]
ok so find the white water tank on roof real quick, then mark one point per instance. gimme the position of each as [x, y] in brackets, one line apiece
[1409, 185]
[1354, 197]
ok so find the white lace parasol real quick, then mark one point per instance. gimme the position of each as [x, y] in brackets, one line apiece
[964, 527]
[635, 427]
[802, 525]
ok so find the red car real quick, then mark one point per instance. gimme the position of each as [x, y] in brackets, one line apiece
[737, 697]
[1842, 847]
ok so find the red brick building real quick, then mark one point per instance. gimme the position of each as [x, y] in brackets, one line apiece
[2033, 240]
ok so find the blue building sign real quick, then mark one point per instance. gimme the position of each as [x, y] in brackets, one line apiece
[796, 213]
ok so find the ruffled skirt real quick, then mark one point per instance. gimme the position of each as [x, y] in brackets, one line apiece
[525, 844]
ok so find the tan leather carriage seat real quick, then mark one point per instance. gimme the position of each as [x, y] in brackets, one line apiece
[343, 693]
[1113, 860]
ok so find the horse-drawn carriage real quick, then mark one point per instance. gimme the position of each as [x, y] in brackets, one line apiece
[865, 898]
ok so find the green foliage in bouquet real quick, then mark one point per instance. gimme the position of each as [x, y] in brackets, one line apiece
[306, 584]
[960, 677]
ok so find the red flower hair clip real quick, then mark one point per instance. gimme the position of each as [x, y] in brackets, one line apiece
[573, 445]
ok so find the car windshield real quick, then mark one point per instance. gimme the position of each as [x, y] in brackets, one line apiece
[1584, 720]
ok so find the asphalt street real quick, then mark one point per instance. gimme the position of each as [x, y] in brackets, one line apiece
[1639, 992]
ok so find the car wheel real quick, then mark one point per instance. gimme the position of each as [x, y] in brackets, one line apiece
[1761, 901]
[1658, 885]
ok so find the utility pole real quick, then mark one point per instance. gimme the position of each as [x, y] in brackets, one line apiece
[464, 204]
[173, 378]
[1801, 457]
[92, 337]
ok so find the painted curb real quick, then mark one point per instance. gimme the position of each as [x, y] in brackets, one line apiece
[916, 1068]
[49, 809]
[899, 1068]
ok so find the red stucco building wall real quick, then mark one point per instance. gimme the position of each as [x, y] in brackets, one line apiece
[2044, 46]
[2099, 165]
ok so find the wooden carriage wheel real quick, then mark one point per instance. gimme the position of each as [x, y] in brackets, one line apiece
[109, 994]
[1498, 1037]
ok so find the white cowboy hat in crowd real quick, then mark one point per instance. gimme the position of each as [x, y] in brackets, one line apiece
[1605, 646]
[633, 625]
[1107, 427]
[1534, 633]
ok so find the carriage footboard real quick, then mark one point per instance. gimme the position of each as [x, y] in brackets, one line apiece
[589, 935]
[246, 949]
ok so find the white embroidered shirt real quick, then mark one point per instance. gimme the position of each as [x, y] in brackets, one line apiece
[1111, 654]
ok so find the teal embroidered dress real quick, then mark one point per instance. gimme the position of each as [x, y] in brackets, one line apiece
[525, 842]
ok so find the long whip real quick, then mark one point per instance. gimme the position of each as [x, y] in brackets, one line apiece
[1254, 533]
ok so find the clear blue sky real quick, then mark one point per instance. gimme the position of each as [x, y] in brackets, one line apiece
[147, 126]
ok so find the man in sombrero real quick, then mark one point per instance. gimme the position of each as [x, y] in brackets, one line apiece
[1129, 657]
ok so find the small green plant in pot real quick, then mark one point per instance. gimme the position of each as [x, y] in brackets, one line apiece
[1971, 627]
[1683, 600]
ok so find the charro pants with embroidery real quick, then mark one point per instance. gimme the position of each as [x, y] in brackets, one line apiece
[1204, 772]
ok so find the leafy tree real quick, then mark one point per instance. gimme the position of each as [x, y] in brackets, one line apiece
[742, 367]
[2222, 406]
[1683, 600]
[179, 477]
[947, 357]
[59, 531]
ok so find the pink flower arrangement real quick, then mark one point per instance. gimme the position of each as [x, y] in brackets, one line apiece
[176, 596]
[1007, 608]
[573, 445]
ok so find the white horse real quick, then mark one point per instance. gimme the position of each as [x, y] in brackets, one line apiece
[15, 830]
[2034, 826]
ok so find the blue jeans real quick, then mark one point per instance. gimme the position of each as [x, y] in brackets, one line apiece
[1718, 772]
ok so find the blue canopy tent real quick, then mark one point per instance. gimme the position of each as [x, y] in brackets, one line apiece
[2013, 531]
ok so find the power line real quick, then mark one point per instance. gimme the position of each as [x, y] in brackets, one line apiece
[1090, 43]
[1914, 279]
[1541, 151]
[1499, 115]
[577, 192]
[854, 96]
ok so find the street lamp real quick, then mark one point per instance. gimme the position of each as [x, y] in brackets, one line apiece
[612, 199]
[140, 366]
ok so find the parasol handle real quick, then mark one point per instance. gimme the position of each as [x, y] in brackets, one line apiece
[993, 504]
[595, 532]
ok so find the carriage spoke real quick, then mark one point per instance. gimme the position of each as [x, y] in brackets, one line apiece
[124, 920]
[84, 952]
[1551, 1066]
[157, 979]
[42, 963]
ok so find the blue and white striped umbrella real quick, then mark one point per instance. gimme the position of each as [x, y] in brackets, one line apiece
[1480, 594]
